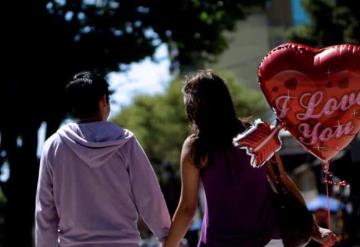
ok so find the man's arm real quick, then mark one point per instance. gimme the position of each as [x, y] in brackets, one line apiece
[46, 217]
[149, 199]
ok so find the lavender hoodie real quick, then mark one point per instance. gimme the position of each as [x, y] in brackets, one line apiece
[94, 181]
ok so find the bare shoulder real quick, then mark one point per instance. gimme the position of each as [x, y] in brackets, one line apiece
[187, 152]
[189, 142]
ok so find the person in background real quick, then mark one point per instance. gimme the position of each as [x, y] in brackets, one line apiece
[95, 179]
[238, 207]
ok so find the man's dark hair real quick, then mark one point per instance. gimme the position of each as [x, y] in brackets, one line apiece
[84, 92]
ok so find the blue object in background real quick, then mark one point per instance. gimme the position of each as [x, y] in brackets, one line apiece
[321, 202]
[299, 15]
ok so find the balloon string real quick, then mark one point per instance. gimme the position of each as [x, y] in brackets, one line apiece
[326, 181]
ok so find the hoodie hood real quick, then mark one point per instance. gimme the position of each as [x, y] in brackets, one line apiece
[95, 142]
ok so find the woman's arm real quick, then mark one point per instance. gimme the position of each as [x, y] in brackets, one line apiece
[290, 184]
[188, 199]
[321, 235]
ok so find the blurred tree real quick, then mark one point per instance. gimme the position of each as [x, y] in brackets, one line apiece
[160, 122]
[44, 42]
[332, 22]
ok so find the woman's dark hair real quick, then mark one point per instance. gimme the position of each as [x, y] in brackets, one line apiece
[210, 110]
[84, 92]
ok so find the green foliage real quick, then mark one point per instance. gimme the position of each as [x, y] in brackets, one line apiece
[114, 30]
[160, 122]
[332, 22]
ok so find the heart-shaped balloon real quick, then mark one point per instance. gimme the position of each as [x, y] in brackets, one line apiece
[315, 94]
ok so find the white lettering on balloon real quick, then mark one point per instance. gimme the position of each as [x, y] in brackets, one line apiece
[310, 102]
[330, 106]
[282, 105]
[313, 136]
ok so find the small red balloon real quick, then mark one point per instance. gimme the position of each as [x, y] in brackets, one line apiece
[315, 94]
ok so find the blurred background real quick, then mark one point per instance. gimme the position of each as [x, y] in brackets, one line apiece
[144, 48]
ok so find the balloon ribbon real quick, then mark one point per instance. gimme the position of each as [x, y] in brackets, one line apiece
[328, 180]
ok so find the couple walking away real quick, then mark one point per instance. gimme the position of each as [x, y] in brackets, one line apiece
[95, 179]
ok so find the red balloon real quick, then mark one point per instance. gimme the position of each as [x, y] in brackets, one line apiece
[315, 94]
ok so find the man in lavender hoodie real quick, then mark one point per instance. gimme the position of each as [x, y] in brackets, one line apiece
[95, 179]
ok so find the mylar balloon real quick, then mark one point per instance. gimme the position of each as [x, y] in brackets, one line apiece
[315, 94]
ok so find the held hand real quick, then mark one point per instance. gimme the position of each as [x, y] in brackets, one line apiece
[324, 236]
[163, 243]
[166, 243]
